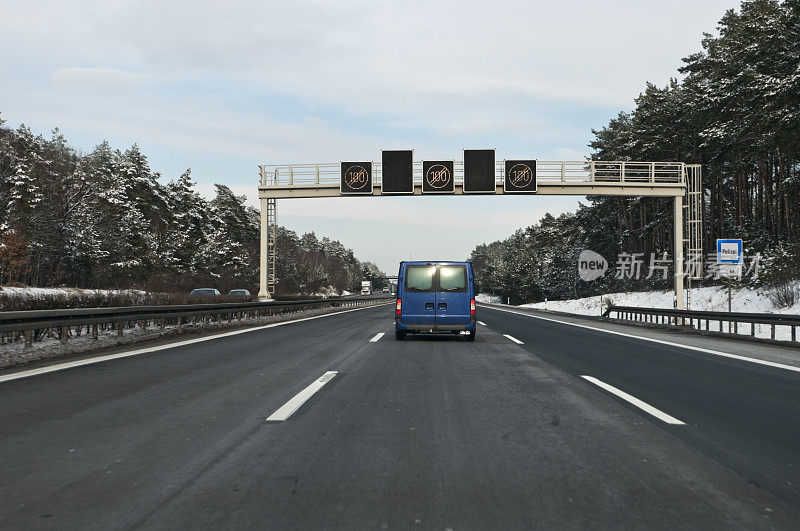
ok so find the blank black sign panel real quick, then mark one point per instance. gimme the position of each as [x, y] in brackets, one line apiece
[397, 172]
[479, 170]
[520, 177]
[437, 177]
[356, 178]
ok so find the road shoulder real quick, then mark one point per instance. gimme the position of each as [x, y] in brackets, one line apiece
[773, 353]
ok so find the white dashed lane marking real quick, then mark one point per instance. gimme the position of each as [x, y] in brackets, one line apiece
[286, 410]
[514, 339]
[644, 406]
[377, 337]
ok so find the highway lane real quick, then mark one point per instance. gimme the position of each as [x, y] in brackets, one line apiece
[429, 432]
[742, 414]
[121, 435]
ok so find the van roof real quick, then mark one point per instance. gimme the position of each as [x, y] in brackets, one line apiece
[426, 262]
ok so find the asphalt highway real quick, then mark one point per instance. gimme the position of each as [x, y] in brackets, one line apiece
[535, 425]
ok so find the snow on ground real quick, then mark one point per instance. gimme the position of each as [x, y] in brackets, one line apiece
[327, 291]
[35, 292]
[486, 298]
[713, 298]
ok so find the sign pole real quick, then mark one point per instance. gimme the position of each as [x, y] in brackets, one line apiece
[729, 295]
[729, 303]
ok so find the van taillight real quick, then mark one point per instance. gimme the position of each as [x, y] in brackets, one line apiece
[399, 304]
[471, 306]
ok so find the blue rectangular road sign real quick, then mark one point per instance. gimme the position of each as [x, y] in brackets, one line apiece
[729, 252]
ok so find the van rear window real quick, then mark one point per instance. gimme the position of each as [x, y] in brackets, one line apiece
[420, 278]
[453, 278]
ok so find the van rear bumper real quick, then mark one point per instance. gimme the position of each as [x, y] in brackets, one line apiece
[432, 329]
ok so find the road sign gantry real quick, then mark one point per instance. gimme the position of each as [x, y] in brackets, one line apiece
[406, 176]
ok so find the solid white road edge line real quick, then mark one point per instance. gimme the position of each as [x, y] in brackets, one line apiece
[100, 359]
[644, 406]
[514, 339]
[481, 323]
[286, 410]
[670, 343]
[377, 337]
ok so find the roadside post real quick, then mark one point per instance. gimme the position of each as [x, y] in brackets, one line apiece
[729, 264]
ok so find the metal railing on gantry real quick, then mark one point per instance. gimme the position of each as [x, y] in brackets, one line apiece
[553, 172]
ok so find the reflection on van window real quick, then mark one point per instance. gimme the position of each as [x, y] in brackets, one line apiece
[420, 278]
[453, 278]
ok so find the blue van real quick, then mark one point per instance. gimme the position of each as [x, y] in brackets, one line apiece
[435, 297]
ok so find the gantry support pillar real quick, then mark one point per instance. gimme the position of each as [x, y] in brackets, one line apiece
[263, 292]
[267, 249]
[677, 245]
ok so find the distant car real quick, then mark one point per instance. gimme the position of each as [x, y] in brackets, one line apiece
[385, 290]
[435, 297]
[205, 291]
[244, 292]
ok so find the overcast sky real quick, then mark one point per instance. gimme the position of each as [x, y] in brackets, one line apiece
[222, 87]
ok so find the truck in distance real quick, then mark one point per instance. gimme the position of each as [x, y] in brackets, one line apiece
[366, 287]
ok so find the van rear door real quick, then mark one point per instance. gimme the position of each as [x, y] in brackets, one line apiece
[419, 295]
[453, 296]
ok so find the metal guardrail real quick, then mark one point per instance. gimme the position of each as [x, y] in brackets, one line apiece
[695, 319]
[328, 174]
[33, 324]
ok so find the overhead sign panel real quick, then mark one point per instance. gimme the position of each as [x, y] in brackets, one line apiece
[397, 172]
[520, 177]
[356, 178]
[437, 177]
[479, 171]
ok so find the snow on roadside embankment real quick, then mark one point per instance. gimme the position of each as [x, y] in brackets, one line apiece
[29, 298]
[713, 298]
[38, 292]
[488, 299]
